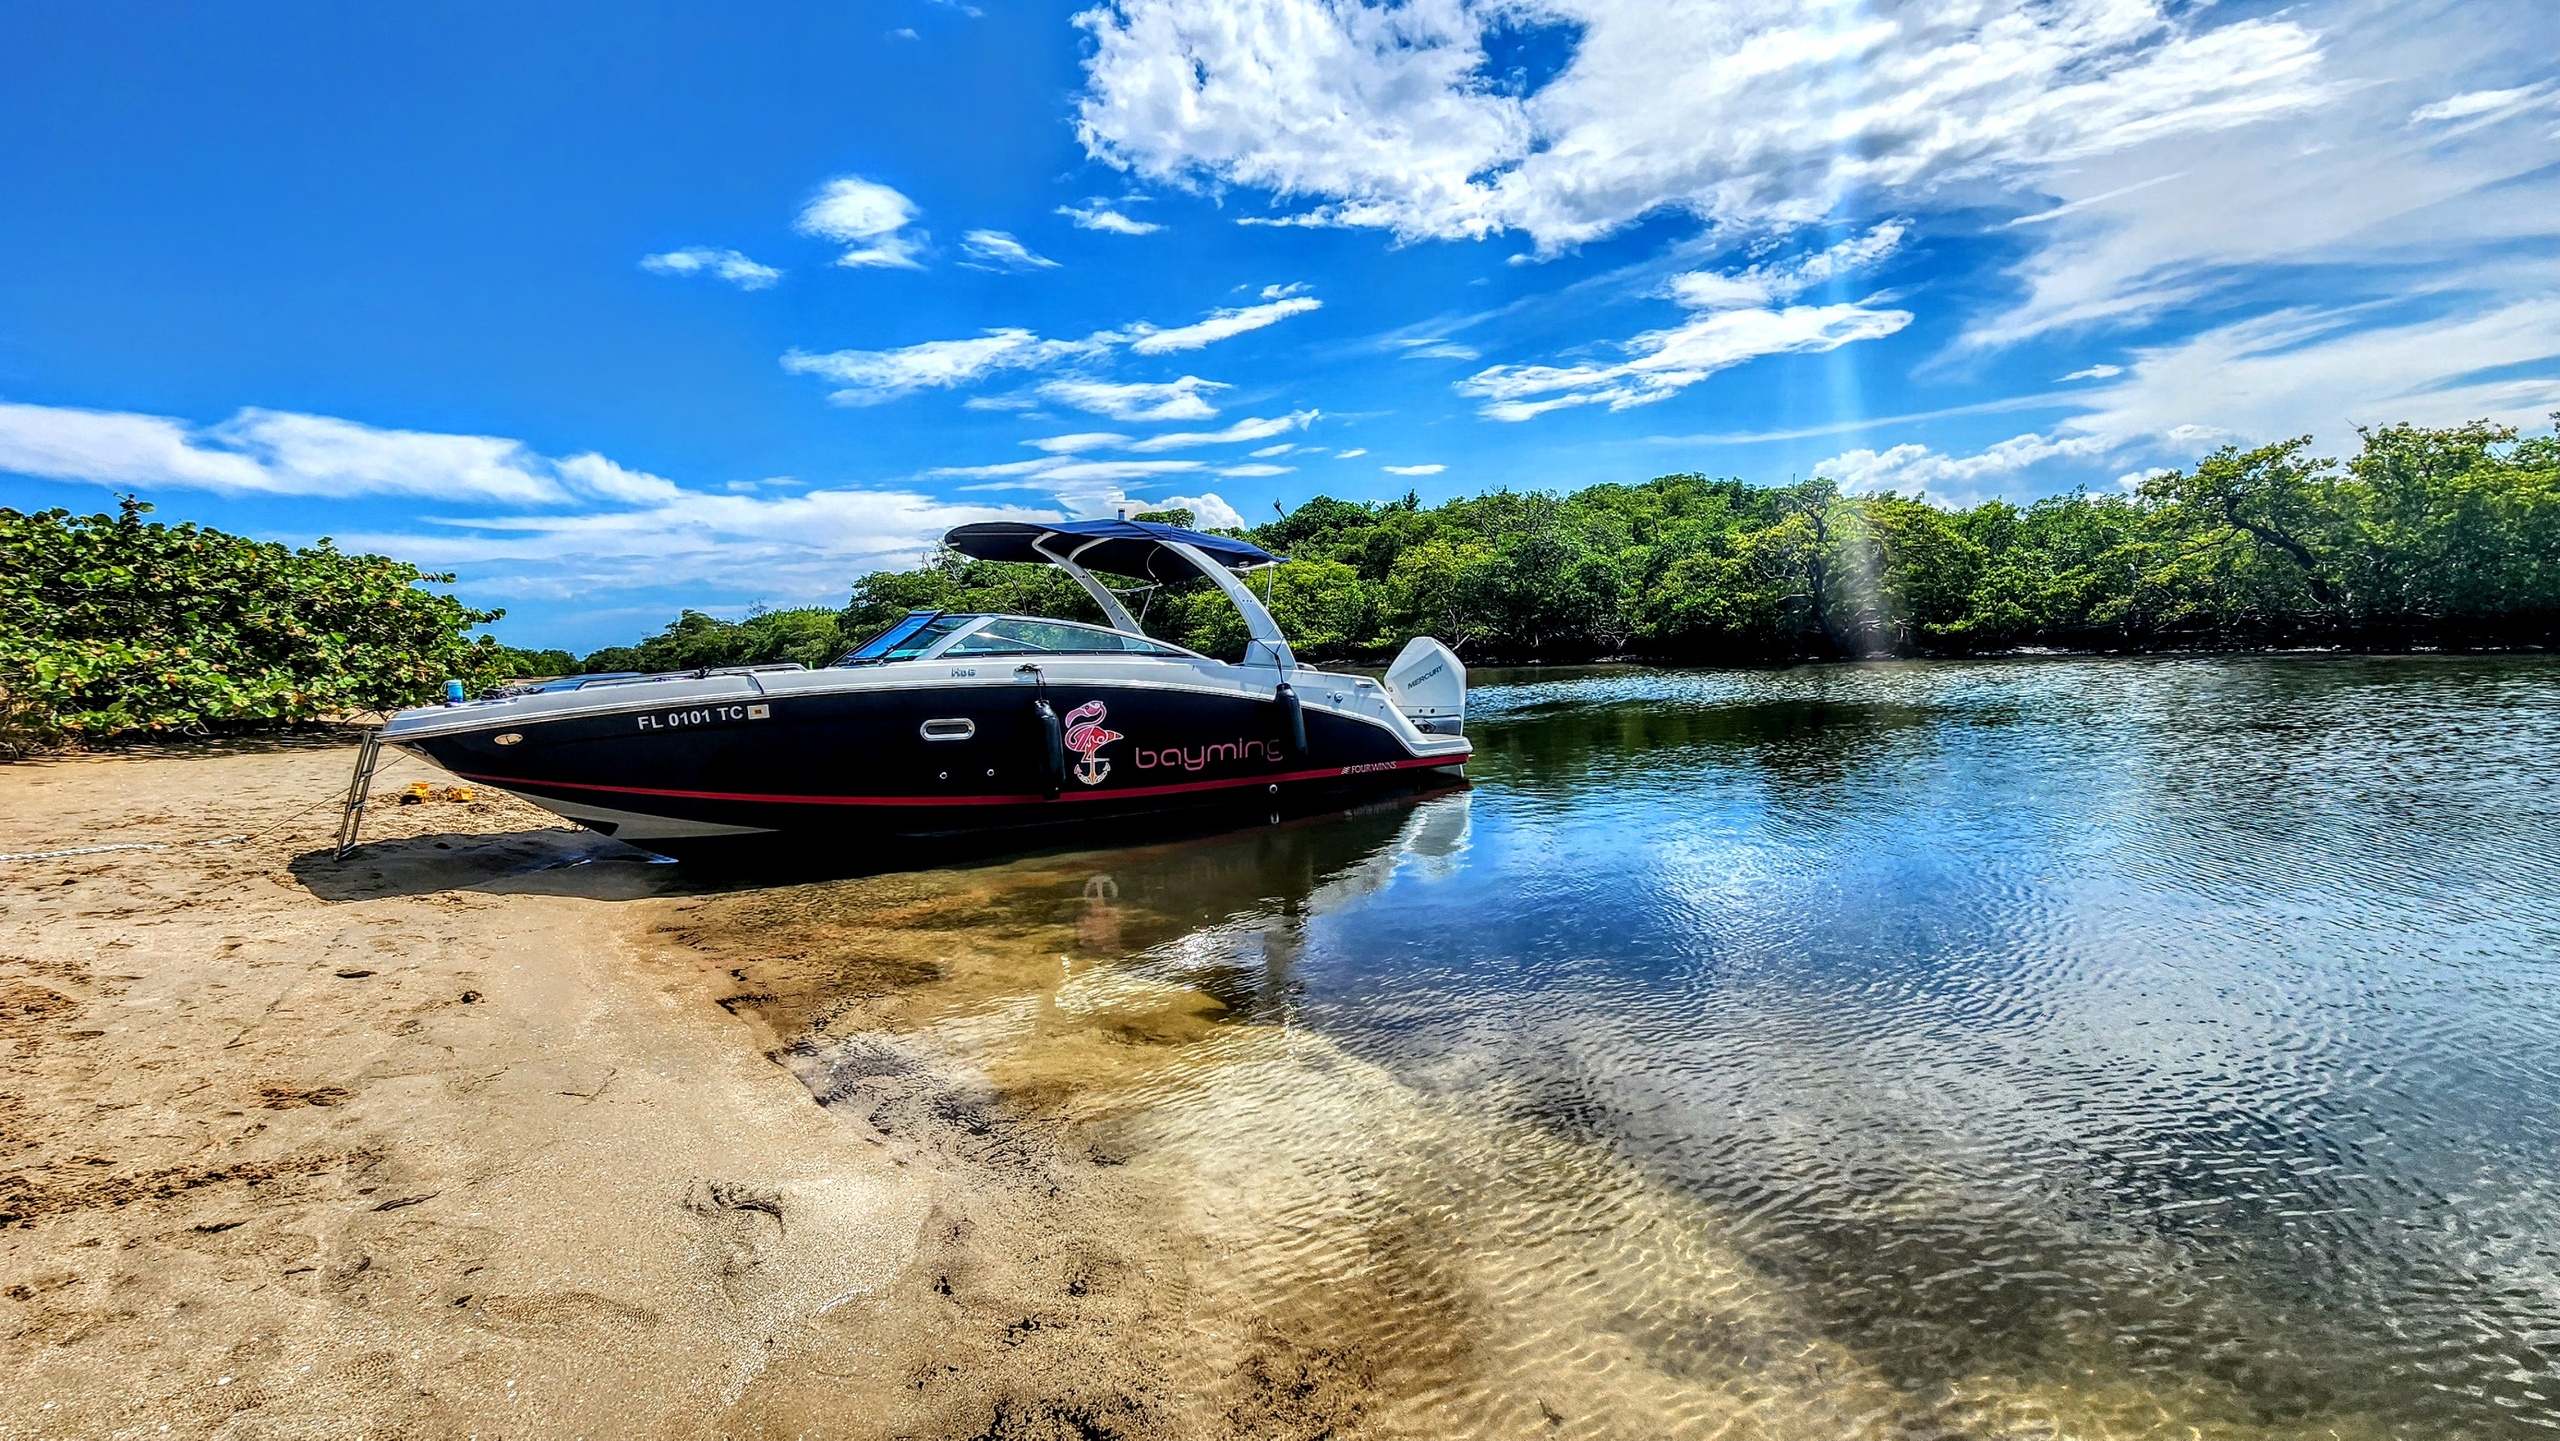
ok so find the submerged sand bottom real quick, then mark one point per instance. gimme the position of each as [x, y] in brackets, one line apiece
[497, 1129]
[1164, 1210]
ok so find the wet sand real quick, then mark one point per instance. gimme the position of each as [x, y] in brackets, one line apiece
[431, 1143]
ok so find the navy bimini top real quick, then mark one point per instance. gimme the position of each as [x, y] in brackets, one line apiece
[1128, 547]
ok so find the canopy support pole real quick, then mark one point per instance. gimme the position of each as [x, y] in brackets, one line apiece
[1268, 646]
[1119, 615]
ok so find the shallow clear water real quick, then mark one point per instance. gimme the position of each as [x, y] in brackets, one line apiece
[2126, 1047]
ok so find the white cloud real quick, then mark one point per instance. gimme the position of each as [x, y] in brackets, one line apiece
[1757, 112]
[1413, 469]
[869, 218]
[2383, 202]
[1097, 215]
[1206, 508]
[1353, 454]
[1437, 350]
[727, 265]
[1220, 325]
[2325, 372]
[1081, 440]
[2478, 102]
[1955, 479]
[602, 525]
[282, 453]
[1137, 401]
[1269, 451]
[2095, 372]
[1731, 321]
[1251, 428]
[871, 376]
[1254, 471]
[995, 250]
[2295, 372]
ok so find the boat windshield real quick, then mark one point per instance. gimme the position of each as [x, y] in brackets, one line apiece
[908, 638]
[1020, 635]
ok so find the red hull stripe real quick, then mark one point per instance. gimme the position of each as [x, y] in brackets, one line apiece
[1327, 773]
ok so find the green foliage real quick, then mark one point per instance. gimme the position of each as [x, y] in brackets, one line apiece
[2445, 537]
[694, 641]
[111, 625]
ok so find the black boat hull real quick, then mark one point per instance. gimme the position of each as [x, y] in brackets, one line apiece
[859, 769]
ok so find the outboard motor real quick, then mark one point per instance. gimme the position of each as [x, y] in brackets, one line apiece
[1429, 684]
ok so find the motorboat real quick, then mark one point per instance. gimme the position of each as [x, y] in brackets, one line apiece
[951, 723]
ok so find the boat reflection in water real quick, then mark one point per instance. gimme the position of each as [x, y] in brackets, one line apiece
[2125, 1049]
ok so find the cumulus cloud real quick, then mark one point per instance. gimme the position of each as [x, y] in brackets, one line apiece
[1734, 317]
[1097, 214]
[1413, 469]
[1206, 508]
[995, 250]
[1957, 479]
[1757, 112]
[1137, 400]
[868, 218]
[726, 265]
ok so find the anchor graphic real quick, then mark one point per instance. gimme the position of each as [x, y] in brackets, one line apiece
[1085, 735]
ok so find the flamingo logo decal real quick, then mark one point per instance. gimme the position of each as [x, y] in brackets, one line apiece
[1085, 736]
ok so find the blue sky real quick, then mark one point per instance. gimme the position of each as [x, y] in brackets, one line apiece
[618, 309]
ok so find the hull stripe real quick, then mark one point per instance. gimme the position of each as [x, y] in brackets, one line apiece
[1325, 773]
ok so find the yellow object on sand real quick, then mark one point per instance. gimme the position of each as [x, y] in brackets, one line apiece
[457, 793]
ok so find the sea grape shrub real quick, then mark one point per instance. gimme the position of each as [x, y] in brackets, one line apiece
[113, 625]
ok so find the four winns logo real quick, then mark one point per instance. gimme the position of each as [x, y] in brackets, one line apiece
[1085, 736]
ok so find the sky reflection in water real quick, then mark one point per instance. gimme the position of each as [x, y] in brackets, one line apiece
[2181, 1027]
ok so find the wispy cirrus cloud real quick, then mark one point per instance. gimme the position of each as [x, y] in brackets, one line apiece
[867, 377]
[869, 219]
[1097, 214]
[1137, 400]
[1220, 324]
[1433, 469]
[1733, 317]
[573, 525]
[728, 265]
[273, 452]
[995, 250]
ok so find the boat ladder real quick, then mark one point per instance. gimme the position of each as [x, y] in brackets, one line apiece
[359, 790]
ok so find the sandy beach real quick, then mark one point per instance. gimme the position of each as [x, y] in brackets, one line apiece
[424, 1144]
